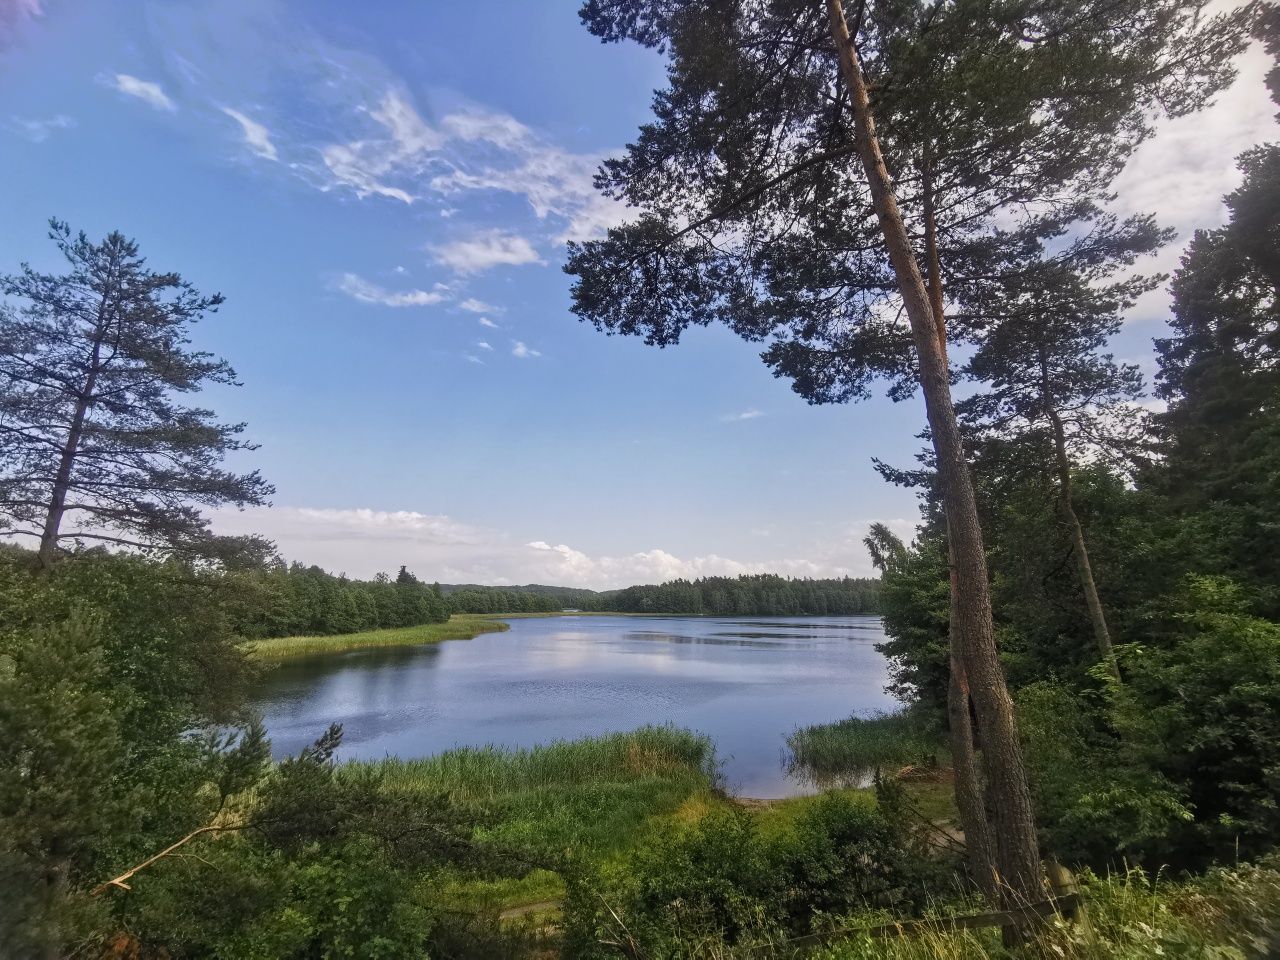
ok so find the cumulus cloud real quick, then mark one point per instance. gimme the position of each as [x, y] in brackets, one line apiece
[739, 417]
[483, 345]
[360, 289]
[256, 137]
[361, 542]
[522, 350]
[481, 251]
[39, 130]
[147, 91]
[486, 322]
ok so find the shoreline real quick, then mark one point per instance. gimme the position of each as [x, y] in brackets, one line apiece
[460, 626]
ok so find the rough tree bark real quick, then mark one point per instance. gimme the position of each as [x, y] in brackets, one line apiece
[979, 846]
[1015, 835]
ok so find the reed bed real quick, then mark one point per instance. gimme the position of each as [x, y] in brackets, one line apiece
[457, 627]
[845, 752]
[595, 796]
[485, 773]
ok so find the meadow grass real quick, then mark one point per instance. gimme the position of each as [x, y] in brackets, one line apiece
[460, 626]
[848, 752]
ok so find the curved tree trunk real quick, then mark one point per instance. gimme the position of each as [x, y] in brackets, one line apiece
[1007, 788]
[1097, 616]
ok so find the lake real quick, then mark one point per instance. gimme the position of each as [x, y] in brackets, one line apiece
[746, 682]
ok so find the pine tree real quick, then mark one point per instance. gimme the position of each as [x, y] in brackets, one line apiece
[91, 433]
[960, 114]
[1048, 386]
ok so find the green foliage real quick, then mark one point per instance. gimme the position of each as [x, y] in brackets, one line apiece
[745, 595]
[1206, 704]
[1097, 801]
[721, 882]
[293, 600]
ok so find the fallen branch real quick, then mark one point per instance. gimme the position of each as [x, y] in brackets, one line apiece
[119, 882]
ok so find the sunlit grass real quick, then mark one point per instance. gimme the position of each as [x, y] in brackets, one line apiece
[460, 626]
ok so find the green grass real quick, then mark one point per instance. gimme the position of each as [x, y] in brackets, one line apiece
[457, 627]
[590, 799]
[848, 752]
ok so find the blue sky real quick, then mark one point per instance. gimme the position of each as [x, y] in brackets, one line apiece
[382, 192]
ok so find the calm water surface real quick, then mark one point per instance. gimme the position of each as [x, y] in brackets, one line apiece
[745, 682]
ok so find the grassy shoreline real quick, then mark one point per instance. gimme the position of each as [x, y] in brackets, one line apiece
[460, 626]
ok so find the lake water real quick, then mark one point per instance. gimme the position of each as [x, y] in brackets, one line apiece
[746, 682]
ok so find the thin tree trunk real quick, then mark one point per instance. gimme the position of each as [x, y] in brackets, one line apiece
[1097, 616]
[979, 846]
[62, 479]
[1007, 787]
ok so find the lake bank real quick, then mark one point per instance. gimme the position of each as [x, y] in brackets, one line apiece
[460, 626]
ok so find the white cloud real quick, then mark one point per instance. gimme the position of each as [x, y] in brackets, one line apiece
[489, 248]
[38, 131]
[523, 351]
[1183, 171]
[362, 542]
[147, 91]
[406, 158]
[13, 15]
[256, 136]
[473, 358]
[739, 417]
[472, 305]
[483, 345]
[360, 289]
[486, 322]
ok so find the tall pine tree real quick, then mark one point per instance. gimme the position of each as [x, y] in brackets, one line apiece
[962, 117]
[94, 445]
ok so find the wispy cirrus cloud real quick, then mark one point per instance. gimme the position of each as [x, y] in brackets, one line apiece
[486, 322]
[148, 91]
[472, 305]
[39, 130]
[256, 136]
[743, 415]
[403, 157]
[486, 249]
[363, 290]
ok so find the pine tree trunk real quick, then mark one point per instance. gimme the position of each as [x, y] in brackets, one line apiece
[1007, 788]
[970, 801]
[62, 479]
[1097, 616]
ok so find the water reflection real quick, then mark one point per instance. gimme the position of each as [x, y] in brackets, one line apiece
[745, 683]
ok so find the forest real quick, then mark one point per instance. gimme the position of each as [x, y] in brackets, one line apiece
[1083, 634]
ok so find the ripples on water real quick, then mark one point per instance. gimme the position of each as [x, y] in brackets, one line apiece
[746, 683]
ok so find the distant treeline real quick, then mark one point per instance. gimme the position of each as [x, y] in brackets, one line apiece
[295, 600]
[753, 595]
